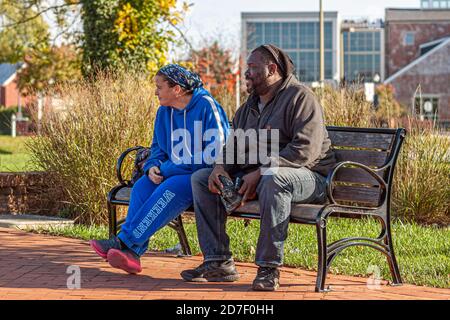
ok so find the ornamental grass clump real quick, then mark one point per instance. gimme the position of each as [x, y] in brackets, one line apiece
[421, 190]
[79, 145]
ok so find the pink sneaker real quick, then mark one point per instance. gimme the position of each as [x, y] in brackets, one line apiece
[125, 260]
[101, 247]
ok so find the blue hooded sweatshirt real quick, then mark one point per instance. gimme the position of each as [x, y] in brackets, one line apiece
[177, 151]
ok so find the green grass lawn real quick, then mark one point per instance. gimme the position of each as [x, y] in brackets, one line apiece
[423, 253]
[14, 156]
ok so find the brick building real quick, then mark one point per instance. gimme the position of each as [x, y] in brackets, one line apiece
[407, 29]
[9, 92]
[418, 60]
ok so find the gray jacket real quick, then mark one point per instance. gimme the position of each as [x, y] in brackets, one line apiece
[298, 115]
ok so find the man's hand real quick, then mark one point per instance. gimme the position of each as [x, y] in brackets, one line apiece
[214, 184]
[154, 175]
[250, 182]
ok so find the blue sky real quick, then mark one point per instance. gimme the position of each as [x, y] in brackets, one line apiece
[221, 18]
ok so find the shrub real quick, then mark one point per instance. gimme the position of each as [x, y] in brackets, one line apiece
[388, 108]
[346, 107]
[79, 146]
[227, 100]
[421, 190]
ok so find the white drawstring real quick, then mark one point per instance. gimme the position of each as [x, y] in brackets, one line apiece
[171, 135]
[185, 139]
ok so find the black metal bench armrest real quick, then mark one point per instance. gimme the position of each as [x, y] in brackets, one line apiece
[372, 172]
[120, 162]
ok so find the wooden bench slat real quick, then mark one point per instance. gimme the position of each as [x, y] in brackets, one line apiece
[361, 140]
[356, 175]
[305, 212]
[367, 157]
[357, 194]
[123, 194]
[346, 193]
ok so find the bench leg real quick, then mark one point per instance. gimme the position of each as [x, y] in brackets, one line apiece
[183, 238]
[112, 220]
[321, 229]
[392, 261]
[177, 225]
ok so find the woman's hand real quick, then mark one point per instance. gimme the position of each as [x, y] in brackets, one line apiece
[154, 175]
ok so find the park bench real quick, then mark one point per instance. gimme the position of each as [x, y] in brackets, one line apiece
[359, 185]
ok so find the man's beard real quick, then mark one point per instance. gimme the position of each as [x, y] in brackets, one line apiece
[259, 90]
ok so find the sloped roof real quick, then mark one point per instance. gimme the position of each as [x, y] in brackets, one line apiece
[417, 61]
[7, 70]
[425, 47]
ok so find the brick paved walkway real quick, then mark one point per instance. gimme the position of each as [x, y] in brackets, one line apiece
[35, 267]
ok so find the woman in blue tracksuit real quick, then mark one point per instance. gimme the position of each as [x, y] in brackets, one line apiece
[190, 130]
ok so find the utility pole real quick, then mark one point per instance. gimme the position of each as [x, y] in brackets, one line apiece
[322, 46]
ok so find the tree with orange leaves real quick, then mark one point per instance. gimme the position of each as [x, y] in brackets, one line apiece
[216, 67]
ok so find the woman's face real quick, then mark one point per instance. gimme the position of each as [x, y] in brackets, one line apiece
[167, 95]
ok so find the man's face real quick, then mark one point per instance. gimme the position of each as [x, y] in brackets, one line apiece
[256, 74]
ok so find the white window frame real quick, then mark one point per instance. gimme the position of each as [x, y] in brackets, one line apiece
[426, 97]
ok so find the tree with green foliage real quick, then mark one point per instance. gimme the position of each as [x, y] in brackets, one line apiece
[48, 66]
[115, 33]
[25, 37]
[18, 38]
[132, 33]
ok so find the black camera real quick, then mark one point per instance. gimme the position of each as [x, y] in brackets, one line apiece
[229, 195]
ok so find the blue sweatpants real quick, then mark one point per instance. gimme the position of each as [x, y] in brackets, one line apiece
[153, 206]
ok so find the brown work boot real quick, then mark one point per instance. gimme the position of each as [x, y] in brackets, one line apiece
[213, 271]
[267, 279]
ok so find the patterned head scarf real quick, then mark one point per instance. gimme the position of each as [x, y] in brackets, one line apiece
[181, 76]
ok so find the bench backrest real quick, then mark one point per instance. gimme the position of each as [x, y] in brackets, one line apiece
[372, 147]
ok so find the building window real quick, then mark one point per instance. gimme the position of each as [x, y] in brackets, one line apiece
[408, 39]
[377, 45]
[309, 38]
[328, 65]
[300, 40]
[272, 33]
[362, 55]
[425, 4]
[328, 35]
[255, 35]
[289, 35]
[435, 3]
[427, 108]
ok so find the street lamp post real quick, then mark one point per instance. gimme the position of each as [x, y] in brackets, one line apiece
[376, 80]
[322, 45]
[341, 67]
